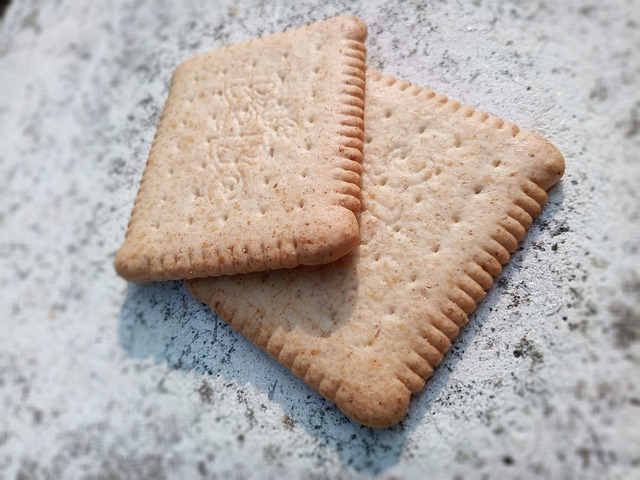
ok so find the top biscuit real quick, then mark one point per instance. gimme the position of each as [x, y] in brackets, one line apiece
[256, 163]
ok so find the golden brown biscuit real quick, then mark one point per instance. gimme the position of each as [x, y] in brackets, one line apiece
[448, 192]
[256, 161]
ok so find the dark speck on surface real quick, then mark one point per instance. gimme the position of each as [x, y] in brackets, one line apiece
[205, 392]
[526, 348]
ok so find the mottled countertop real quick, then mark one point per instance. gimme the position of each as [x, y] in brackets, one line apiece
[104, 379]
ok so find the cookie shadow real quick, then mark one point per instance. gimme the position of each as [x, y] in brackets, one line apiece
[165, 322]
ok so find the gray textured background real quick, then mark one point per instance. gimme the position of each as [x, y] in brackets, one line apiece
[100, 379]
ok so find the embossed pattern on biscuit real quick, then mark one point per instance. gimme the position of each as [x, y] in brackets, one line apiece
[448, 192]
[256, 161]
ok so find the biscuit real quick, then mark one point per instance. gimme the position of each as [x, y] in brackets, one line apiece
[448, 192]
[256, 163]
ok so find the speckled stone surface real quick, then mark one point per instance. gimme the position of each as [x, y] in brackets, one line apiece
[100, 379]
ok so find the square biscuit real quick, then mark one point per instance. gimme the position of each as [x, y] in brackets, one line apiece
[448, 192]
[256, 163]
